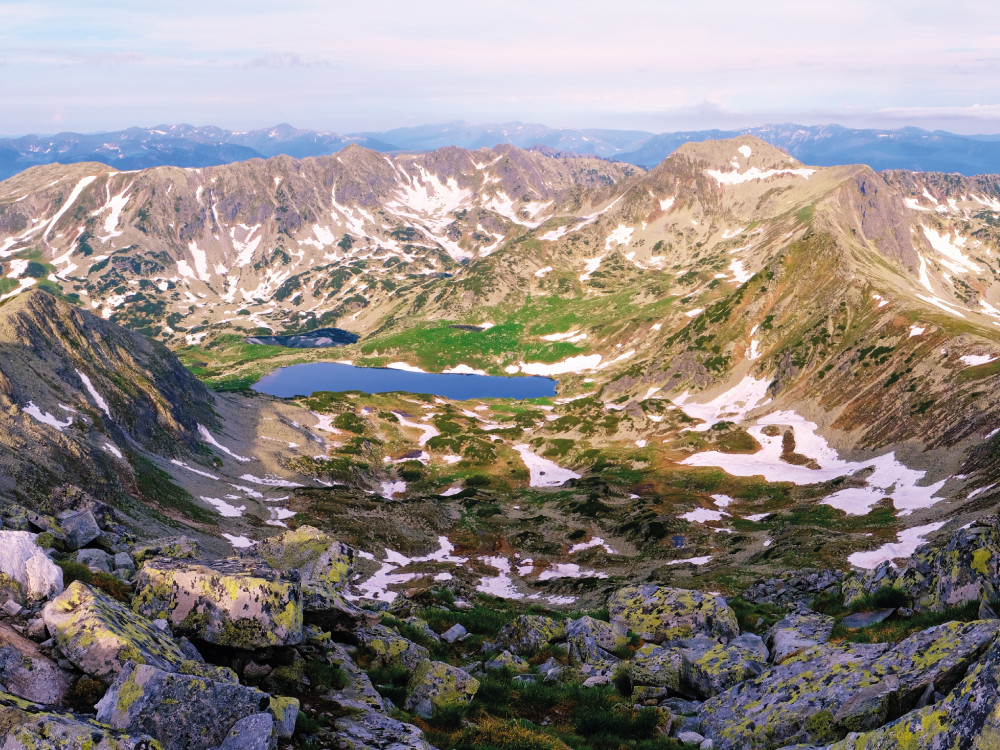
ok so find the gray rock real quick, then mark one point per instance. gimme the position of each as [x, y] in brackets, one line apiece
[376, 731]
[11, 608]
[79, 528]
[507, 660]
[390, 648]
[254, 732]
[454, 633]
[986, 612]
[529, 633]
[99, 635]
[658, 613]
[435, 684]
[657, 666]
[96, 559]
[866, 619]
[591, 641]
[690, 738]
[27, 673]
[796, 633]
[709, 671]
[965, 568]
[26, 572]
[30, 727]
[238, 603]
[183, 712]
[829, 690]
[123, 561]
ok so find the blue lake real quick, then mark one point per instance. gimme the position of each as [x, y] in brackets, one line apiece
[306, 379]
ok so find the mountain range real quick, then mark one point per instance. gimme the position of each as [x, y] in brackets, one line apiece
[188, 146]
[760, 508]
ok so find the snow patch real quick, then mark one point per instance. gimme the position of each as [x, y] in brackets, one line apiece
[543, 472]
[207, 437]
[906, 544]
[46, 418]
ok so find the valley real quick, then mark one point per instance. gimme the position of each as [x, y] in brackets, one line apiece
[771, 380]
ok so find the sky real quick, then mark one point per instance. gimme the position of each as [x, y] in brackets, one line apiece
[656, 65]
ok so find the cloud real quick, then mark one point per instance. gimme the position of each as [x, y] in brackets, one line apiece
[285, 60]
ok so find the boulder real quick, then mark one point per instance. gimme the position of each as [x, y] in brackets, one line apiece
[78, 528]
[793, 587]
[507, 660]
[710, 671]
[968, 717]
[825, 692]
[591, 641]
[183, 712]
[253, 732]
[435, 684]
[26, 726]
[96, 559]
[372, 730]
[529, 633]
[391, 649]
[178, 548]
[100, 635]
[322, 562]
[237, 603]
[27, 673]
[966, 568]
[657, 666]
[795, 633]
[454, 633]
[26, 573]
[658, 613]
[860, 620]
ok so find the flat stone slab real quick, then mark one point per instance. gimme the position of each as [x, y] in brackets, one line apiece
[864, 619]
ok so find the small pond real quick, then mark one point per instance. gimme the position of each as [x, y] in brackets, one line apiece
[306, 379]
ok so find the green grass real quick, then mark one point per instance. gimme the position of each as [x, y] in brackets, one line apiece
[535, 715]
[155, 485]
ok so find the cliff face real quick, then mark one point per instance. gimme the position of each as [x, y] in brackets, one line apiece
[80, 394]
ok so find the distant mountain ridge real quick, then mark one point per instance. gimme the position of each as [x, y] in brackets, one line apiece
[188, 146]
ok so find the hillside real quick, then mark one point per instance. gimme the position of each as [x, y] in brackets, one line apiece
[759, 511]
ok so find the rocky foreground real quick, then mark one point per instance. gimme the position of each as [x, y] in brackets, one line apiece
[112, 644]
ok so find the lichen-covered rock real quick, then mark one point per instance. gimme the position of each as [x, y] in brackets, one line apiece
[591, 641]
[177, 548]
[26, 726]
[254, 732]
[936, 577]
[27, 673]
[435, 684]
[183, 712]
[507, 660]
[797, 632]
[390, 649]
[322, 562]
[236, 603]
[529, 633]
[284, 711]
[968, 717]
[793, 587]
[99, 635]
[26, 572]
[710, 671]
[658, 613]
[825, 692]
[376, 731]
[657, 666]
